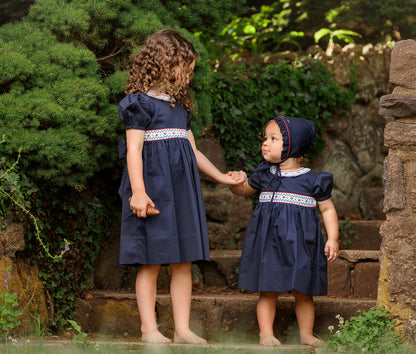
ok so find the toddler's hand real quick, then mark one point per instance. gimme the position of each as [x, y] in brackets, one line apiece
[332, 250]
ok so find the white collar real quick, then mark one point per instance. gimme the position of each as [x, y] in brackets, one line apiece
[290, 173]
[159, 96]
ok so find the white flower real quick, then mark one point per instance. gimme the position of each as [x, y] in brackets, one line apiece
[413, 322]
[338, 333]
[364, 349]
[331, 328]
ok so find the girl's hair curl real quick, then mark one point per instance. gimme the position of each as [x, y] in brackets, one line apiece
[164, 60]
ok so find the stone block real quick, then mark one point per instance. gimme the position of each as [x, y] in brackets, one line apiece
[400, 135]
[107, 275]
[403, 64]
[365, 280]
[12, 239]
[394, 196]
[339, 279]
[397, 105]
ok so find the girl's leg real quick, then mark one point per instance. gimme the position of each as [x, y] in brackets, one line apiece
[266, 312]
[180, 293]
[305, 314]
[146, 285]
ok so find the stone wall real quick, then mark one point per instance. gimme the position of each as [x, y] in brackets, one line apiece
[397, 283]
[20, 277]
[354, 152]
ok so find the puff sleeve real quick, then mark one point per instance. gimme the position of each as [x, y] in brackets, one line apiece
[135, 111]
[188, 119]
[323, 185]
[258, 179]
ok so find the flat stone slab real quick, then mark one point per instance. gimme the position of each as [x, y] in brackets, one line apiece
[101, 345]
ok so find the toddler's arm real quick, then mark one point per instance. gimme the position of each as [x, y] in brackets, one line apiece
[243, 188]
[208, 167]
[330, 218]
[139, 199]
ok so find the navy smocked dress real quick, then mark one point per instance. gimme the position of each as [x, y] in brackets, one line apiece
[283, 247]
[170, 172]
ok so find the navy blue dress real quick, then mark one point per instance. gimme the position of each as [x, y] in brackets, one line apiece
[283, 247]
[170, 172]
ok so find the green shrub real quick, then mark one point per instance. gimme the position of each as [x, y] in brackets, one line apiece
[371, 331]
[244, 98]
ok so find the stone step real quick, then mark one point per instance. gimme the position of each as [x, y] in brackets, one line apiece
[359, 234]
[354, 274]
[223, 272]
[221, 318]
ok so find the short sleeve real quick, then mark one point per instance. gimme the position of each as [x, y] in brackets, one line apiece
[188, 119]
[257, 179]
[323, 186]
[254, 181]
[135, 111]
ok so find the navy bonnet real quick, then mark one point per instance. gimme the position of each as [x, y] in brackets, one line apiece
[298, 135]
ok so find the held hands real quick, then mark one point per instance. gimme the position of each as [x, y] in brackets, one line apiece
[331, 250]
[142, 206]
[236, 177]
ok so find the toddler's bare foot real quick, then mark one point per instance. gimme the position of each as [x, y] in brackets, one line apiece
[311, 340]
[269, 340]
[189, 337]
[155, 337]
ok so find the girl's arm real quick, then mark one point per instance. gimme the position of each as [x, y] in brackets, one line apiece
[208, 168]
[139, 199]
[330, 218]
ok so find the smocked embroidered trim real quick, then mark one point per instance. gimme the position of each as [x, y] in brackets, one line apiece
[290, 173]
[287, 198]
[159, 96]
[163, 134]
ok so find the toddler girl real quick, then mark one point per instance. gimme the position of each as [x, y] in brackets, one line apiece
[162, 172]
[283, 248]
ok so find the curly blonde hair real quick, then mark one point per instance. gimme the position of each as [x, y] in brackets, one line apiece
[164, 60]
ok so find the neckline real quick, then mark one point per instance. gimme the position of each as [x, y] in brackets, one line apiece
[159, 96]
[290, 173]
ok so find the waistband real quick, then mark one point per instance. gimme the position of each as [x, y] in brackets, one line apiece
[163, 134]
[287, 198]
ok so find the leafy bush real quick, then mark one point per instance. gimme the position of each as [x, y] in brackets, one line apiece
[372, 331]
[244, 98]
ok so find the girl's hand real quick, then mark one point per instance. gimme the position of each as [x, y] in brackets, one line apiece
[332, 250]
[237, 177]
[139, 203]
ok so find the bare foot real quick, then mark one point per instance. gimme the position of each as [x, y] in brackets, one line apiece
[189, 337]
[312, 341]
[155, 337]
[269, 340]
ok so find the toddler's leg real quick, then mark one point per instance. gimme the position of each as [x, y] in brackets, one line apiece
[180, 293]
[305, 314]
[266, 312]
[146, 285]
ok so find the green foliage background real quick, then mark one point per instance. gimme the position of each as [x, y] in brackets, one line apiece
[245, 98]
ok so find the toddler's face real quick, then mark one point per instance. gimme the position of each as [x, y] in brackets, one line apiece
[273, 143]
